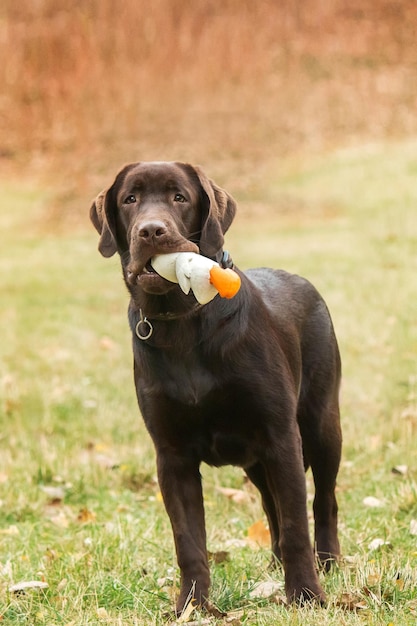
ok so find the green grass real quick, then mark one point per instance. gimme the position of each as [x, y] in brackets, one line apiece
[69, 421]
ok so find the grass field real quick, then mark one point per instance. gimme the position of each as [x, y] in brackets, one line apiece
[79, 504]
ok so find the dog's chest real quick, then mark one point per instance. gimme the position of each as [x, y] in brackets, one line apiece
[220, 422]
[183, 378]
[196, 401]
[188, 383]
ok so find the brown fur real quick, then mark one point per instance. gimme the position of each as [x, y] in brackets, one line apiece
[252, 381]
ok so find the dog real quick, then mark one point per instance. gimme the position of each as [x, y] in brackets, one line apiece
[251, 381]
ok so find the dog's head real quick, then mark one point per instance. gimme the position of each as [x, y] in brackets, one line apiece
[157, 208]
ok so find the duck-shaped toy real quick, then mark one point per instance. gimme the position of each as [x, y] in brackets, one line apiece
[193, 271]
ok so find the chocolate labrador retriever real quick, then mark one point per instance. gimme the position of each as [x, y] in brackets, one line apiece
[251, 381]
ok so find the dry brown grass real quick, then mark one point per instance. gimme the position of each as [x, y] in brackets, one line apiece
[228, 83]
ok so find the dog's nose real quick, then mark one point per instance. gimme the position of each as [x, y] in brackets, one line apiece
[154, 229]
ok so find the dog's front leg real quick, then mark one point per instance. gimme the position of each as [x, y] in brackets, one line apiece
[180, 483]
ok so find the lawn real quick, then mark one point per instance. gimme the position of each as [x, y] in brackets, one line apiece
[80, 509]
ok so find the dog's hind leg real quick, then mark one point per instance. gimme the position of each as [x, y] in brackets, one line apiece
[256, 474]
[322, 445]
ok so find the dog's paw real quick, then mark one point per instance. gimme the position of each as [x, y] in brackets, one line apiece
[184, 615]
[213, 610]
[306, 595]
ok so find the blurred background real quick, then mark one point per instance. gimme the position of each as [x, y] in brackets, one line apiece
[306, 112]
[231, 84]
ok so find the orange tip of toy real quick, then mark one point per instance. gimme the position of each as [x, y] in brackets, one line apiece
[226, 281]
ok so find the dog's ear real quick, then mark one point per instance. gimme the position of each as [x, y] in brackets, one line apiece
[103, 215]
[107, 244]
[219, 214]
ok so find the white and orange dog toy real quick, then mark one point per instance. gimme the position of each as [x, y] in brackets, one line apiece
[196, 272]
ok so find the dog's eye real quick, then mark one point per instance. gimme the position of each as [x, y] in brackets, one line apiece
[179, 198]
[130, 199]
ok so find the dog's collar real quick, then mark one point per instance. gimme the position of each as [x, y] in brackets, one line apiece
[144, 327]
[224, 259]
[169, 315]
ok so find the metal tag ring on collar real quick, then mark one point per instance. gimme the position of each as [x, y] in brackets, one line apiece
[145, 322]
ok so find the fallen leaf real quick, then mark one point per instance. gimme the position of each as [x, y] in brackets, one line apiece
[375, 442]
[28, 585]
[105, 461]
[234, 616]
[11, 530]
[89, 403]
[372, 595]
[279, 599]
[101, 446]
[236, 495]
[186, 614]
[412, 607]
[54, 493]
[51, 555]
[236, 543]
[102, 613]
[350, 560]
[85, 516]
[378, 544]
[258, 533]
[6, 569]
[200, 622]
[373, 502]
[219, 557]
[413, 527]
[266, 589]
[373, 579]
[349, 602]
[60, 520]
[107, 344]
